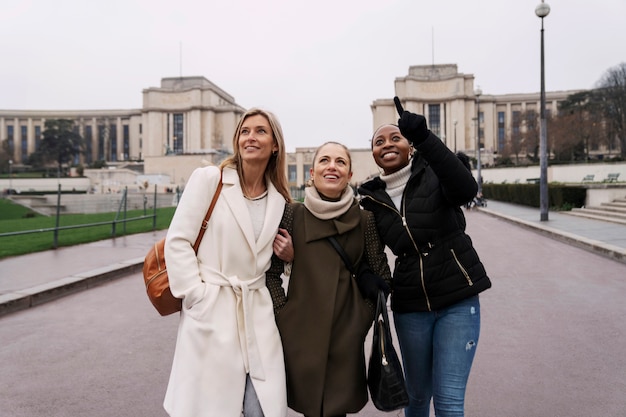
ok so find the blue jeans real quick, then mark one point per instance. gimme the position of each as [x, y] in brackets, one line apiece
[251, 404]
[438, 349]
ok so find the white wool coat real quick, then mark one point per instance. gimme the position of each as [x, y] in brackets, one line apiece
[227, 327]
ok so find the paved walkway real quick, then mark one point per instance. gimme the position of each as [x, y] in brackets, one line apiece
[30, 280]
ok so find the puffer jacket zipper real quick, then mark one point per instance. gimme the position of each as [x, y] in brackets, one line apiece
[408, 231]
[406, 226]
[462, 268]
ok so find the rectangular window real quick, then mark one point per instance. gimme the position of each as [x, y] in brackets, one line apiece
[24, 143]
[177, 130]
[515, 129]
[10, 141]
[101, 139]
[126, 141]
[293, 176]
[307, 172]
[434, 118]
[501, 131]
[37, 137]
[88, 145]
[113, 141]
[531, 120]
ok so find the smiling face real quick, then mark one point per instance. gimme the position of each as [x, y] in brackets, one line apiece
[332, 170]
[256, 141]
[390, 149]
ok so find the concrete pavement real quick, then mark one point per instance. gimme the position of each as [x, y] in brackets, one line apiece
[33, 279]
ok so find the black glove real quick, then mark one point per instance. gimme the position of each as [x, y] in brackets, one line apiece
[412, 126]
[370, 284]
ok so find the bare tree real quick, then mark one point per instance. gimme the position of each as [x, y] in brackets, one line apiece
[530, 133]
[611, 91]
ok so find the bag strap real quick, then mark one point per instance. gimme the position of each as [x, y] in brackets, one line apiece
[342, 253]
[205, 222]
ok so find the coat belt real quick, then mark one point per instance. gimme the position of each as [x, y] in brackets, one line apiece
[244, 291]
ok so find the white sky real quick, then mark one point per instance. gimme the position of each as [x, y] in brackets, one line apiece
[317, 64]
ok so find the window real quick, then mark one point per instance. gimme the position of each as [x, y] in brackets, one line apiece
[76, 159]
[515, 129]
[113, 141]
[501, 131]
[126, 141]
[24, 143]
[531, 120]
[101, 136]
[434, 118]
[307, 172]
[292, 170]
[88, 144]
[178, 133]
[10, 139]
[37, 137]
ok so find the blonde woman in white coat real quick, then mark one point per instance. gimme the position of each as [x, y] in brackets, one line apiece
[229, 357]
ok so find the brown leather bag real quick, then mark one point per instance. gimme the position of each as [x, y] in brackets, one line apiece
[155, 271]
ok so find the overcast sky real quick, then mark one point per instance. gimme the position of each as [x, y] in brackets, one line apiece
[317, 64]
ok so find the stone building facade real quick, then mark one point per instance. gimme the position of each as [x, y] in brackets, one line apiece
[189, 121]
[185, 115]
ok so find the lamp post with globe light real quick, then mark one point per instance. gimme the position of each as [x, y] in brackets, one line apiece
[10, 176]
[542, 11]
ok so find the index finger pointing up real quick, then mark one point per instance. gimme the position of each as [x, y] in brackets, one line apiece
[399, 107]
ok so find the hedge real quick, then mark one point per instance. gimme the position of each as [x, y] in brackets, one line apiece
[560, 197]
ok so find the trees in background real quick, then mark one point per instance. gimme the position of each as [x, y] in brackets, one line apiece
[583, 122]
[60, 143]
[610, 95]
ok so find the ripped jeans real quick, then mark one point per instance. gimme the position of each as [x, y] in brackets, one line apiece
[438, 349]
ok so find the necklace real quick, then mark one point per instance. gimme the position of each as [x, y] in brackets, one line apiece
[247, 193]
[257, 197]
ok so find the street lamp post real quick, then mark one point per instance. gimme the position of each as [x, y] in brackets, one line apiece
[10, 176]
[542, 11]
[478, 93]
[455, 122]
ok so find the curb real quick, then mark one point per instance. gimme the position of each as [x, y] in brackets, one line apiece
[613, 252]
[40, 294]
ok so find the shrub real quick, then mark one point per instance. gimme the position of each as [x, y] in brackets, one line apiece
[560, 197]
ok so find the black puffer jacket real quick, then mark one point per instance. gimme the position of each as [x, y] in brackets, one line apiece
[436, 264]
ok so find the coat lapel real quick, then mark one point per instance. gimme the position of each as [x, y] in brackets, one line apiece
[234, 198]
[273, 213]
[316, 229]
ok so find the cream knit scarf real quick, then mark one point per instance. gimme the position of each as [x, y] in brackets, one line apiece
[323, 209]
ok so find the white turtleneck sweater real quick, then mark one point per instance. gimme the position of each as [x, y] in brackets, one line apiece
[396, 183]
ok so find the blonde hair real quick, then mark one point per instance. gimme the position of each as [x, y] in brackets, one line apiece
[276, 167]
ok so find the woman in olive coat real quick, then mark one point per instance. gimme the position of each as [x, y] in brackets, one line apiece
[325, 313]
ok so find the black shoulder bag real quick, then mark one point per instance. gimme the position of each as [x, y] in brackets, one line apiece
[385, 378]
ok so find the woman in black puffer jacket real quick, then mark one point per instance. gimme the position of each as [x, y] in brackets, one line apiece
[438, 275]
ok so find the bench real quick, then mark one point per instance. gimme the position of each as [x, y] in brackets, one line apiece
[589, 178]
[532, 180]
[612, 177]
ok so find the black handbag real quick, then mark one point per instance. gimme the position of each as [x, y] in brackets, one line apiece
[385, 378]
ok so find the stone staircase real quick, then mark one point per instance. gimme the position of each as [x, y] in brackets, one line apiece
[614, 212]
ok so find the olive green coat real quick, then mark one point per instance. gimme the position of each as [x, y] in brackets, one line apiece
[323, 319]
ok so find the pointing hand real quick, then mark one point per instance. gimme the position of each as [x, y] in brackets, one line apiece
[412, 126]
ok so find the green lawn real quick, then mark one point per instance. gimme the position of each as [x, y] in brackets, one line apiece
[14, 218]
